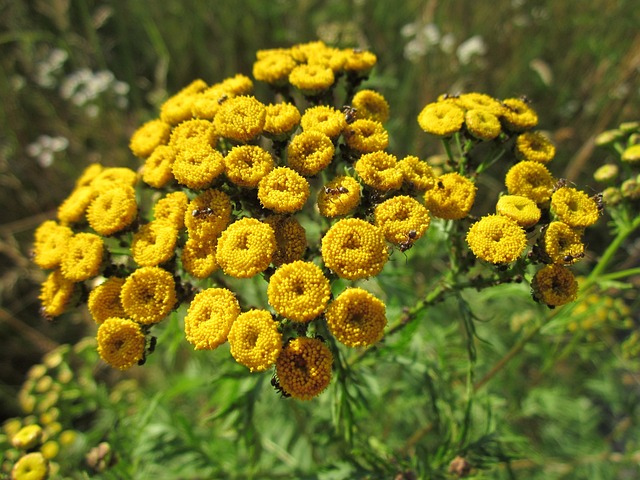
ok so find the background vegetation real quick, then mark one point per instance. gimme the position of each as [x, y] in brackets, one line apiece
[86, 73]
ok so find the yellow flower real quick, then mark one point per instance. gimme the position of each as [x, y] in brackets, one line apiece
[451, 198]
[205, 104]
[178, 107]
[482, 124]
[281, 119]
[239, 84]
[150, 135]
[554, 285]
[606, 173]
[534, 146]
[27, 437]
[366, 136]
[333, 58]
[255, 340]
[517, 116]
[302, 52]
[241, 118]
[104, 300]
[562, 244]
[148, 295]
[209, 318]
[171, 209]
[402, 219]
[299, 291]
[55, 293]
[339, 197]
[416, 173]
[379, 170]
[480, 101]
[354, 249]
[283, 190]
[497, 239]
[530, 179]
[82, 258]
[199, 257]
[113, 210]
[197, 165]
[521, 209]
[274, 69]
[50, 244]
[88, 174]
[246, 165]
[154, 243]
[441, 118]
[573, 207]
[32, 466]
[158, 167]
[193, 130]
[370, 105]
[324, 118]
[303, 368]
[208, 214]
[50, 449]
[73, 208]
[311, 79]
[121, 342]
[310, 152]
[631, 154]
[109, 177]
[246, 248]
[291, 239]
[357, 318]
[359, 62]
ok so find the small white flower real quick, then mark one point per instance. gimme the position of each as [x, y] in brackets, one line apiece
[470, 48]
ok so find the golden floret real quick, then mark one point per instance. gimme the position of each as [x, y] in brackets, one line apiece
[304, 367]
[148, 295]
[209, 318]
[121, 342]
[311, 79]
[339, 197]
[274, 69]
[208, 214]
[535, 146]
[31, 466]
[480, 101]
[73, 208]
[379, 170]
[574, 207]
[197, 165]
[366, 136]
[554, 285]
[51, 240]
[357, 318]
[452, 197]
[246, 165]
[281, 120]
[113, 209]
[28, 437]
[104, 300]
[530, 179]
[324, 118]
[109, 177]
[283, 190]
[631, 154]
[150, 135]
[171, 209]
[562, 244]
[416, 173]
[240, 118]
[497, 239]
[83, 256]
[441, 118]
[246, 248]
[193, 130]
[354, 249]
[88, 174]
[291, 239]
[310, 152]
[158, 167]
[199, 257]
[299, 291]
[239, 84]
[177, 108]
[255, 340]
[402, 219]
[482, 124]
[518, 116]
[359, 62]
[154, 243]
[521, 209]
[370, 105]
[55, 294]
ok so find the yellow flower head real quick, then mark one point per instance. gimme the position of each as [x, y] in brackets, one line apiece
[497, 239]
[197, 165]
[356, 318]
[482, 124]
[291, 239]
[416, 173]
[32, 466]
[480, 101]
[359, 62]
[114, 176]
[521, 209]
[562, 244]
[324, 118]
[333, 58]
[299, 291]
[50, 244]
[255, 340]
[239, 84]
[366, 136]
[199, 257]
[82, 258]
[518, 116]
[154, 243]
[370, 105]
[283, 190]
[177, 108]
[104, 300]
[354, 249]
[441, 118]
[148, 295]
[150, 135]
[310, 152]
[246, 165]
[240, 118]
[113, 210]
[55, 294]
[535, 146]
[88, 174]
[631, 154]
[574, 207]
[73, 208]
[281, 120]
[246, 248]
[121, 342]
[379, 170]
[274, 69]
[208, 214]
[402, 219]
[193, 130]
[27, 437]
[171, 209]
[606, 173]
[530, 179]
[312, 79]
[304, 368]
[452, 196]
[554, 285]
[339, 197]
[209, 318]
[158, 167]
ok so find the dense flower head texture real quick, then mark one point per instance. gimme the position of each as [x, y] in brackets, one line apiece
[452, 196]
[497, 239]
[255, 340]
[209, 318]
[357, 318]
[121, 342]
[246, 248]
[304, 368]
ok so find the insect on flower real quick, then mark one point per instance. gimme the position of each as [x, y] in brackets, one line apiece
[349, 113]
[200, 213]
[275, 383]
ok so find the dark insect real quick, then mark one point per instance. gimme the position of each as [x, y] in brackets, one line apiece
[571, 258]
[278, 388]
[349, 113]
[450, 95]
[336, 190]
[202, 212]
[408, 243]
[152, 344]
[599, 202]
[561, 183]
[440, 184]
[525, 99]
[223, 99]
